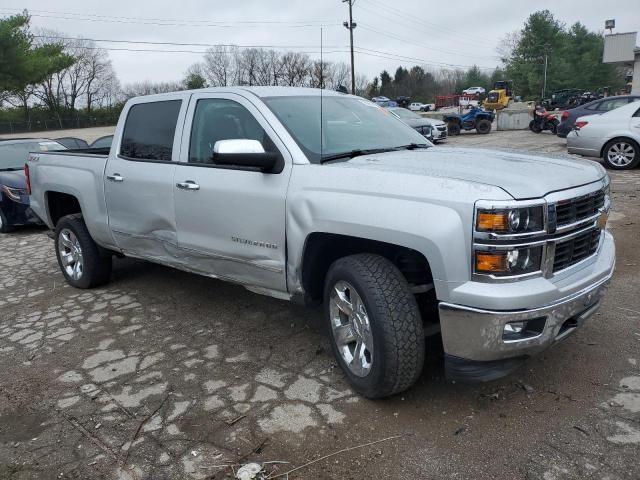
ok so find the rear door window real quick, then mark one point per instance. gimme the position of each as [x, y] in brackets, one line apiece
[149, 131]
[608, 105]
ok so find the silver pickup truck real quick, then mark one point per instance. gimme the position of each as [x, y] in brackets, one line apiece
[328, 198]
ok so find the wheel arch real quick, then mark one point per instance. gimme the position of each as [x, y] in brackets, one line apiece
[321, 249]
[60, 204]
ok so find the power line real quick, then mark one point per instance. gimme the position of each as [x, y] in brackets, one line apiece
[169, 23]
[410, 42]
[412, 18]
[201, 52]
[182, 44]
[394, 56]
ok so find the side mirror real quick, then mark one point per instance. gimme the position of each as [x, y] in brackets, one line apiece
[244, 153]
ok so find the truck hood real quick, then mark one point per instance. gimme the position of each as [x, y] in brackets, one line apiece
[521, 176]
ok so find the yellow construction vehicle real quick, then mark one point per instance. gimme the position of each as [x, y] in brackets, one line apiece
[500, 96]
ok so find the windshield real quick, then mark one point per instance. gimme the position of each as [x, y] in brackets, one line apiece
[14, 155]
[348, 124]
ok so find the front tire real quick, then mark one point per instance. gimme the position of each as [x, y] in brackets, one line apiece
[80, 259]
[621, 154]
[375, 327]
[483, 126]
[4, 225]
[453, 128]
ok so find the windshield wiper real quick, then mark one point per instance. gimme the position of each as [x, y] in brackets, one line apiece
[413, 146]
[353, 153]
[359, 152]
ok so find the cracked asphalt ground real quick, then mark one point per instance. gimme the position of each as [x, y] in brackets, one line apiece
[167, 375]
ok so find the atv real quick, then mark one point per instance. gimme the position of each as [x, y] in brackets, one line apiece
[476, 118]
[543, 120]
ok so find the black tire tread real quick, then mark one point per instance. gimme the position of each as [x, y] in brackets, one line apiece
[6, 228]
[97, 266]
[404, 335]
[483, 121]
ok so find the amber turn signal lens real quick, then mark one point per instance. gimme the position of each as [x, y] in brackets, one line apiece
[491, 262]
[492, 221]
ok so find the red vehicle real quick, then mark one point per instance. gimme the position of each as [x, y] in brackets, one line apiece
[447, 101]
[543, 120]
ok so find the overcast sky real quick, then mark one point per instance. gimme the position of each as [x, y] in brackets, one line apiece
[430, 32]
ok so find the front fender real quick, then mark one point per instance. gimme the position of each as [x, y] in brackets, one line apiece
[436, 231]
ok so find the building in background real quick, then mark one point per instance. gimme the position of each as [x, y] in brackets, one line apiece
[621, 49]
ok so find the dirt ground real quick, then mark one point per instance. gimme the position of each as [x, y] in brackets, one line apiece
[166, 375]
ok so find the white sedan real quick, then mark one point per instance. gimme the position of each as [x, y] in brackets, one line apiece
[474, 91]
[421, 107]
[614, 136]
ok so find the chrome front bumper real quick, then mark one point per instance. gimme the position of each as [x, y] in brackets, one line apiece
[475, 350]
[476, 334]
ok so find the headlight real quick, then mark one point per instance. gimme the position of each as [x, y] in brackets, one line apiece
[504, 263]
[13, 193]
[510, 220]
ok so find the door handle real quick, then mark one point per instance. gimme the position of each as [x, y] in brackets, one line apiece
[188, 185]
[116, 177]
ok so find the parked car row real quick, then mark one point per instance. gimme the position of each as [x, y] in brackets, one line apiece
[14, 195]
[613, 136]
[432, 129]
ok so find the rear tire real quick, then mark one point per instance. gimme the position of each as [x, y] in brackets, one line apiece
[621, 154]
[483, 126]
[4, 226]
[82, 262]
[554, 126]
[375, 326]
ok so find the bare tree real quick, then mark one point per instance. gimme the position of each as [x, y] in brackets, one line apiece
[339, 74]
[362, 84]
[150, 88]
[507, 44]
[220, 65]
[296, 69]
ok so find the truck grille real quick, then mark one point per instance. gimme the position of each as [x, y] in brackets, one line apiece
[579, 208]
[576, 249]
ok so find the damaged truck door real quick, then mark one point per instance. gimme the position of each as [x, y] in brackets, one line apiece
[139, 176]
[231, 217]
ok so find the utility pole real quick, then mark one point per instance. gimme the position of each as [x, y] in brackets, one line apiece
[350, 25]
[544, 83]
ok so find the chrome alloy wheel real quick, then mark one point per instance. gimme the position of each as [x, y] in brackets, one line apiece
[351, 328]
[70, 254]
[621, 154]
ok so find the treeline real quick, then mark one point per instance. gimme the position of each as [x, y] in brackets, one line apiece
[573, 57]
[423, 85]
[46, 78]
[228, 65]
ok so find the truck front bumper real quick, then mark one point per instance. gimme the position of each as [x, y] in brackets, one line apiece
[475, 344]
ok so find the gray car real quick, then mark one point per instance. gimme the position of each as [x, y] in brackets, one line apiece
[613, 136]
[432, 129]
